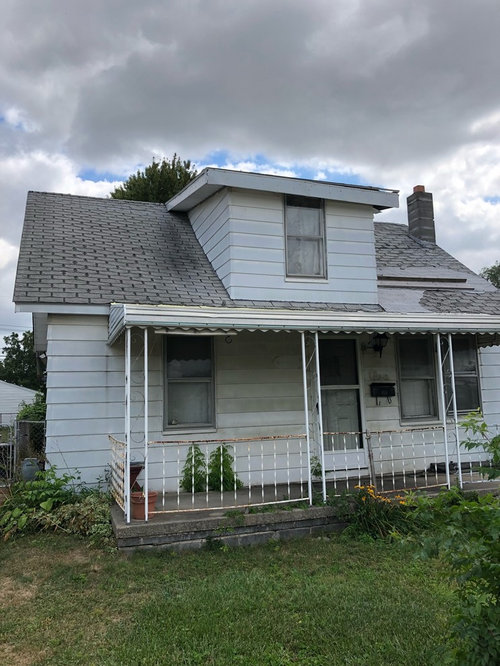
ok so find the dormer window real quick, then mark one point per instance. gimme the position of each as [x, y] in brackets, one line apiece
[305, 237]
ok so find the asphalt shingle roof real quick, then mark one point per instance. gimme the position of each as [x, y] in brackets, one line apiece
[77, 249]
[395, 248]
[85, 250]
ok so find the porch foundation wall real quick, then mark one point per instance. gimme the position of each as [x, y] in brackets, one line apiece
[234, 529]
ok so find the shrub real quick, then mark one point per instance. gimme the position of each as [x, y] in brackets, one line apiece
[28, 499]
[372, 514]
[464, 531]
[49, 502]
[475, 426]
[194, 472]
[221, 475]
[34, 411]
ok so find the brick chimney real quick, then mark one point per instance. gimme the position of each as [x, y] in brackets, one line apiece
[421, 214]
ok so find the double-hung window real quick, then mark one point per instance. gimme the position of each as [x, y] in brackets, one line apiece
[466, 375]
[305, 237]
[189, 381]
[417, 378]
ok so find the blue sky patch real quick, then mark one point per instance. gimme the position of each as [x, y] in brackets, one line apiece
[95, 176]
[492, 200]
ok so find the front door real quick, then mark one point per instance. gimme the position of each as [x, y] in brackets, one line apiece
[340, 404]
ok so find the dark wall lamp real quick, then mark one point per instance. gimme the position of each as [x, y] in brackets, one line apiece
[378, 342]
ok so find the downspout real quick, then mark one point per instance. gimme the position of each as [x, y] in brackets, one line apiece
[306, 414]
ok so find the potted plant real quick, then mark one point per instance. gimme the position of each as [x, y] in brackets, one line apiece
[138, 502]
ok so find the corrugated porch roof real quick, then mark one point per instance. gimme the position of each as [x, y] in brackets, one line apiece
[170, 318]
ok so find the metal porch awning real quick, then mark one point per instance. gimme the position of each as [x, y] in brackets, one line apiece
[227, 320]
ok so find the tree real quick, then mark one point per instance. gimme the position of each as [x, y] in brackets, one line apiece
[159, 181]
[492, 273]
[19, 365]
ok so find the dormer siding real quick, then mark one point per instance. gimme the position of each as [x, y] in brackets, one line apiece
[243, 235]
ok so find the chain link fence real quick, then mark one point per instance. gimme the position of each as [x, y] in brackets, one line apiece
[19, 440]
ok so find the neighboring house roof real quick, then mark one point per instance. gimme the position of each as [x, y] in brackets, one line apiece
[11, 397]
[85, 250]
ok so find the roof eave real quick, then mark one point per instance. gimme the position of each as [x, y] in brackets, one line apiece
[211, 180]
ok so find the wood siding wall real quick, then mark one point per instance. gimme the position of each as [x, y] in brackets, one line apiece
[258, 391]
[243, 235]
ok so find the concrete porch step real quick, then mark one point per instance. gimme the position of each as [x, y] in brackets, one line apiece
[194, 530]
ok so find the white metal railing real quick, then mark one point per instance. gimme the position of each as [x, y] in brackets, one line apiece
[230, 473]
[406, 458]
[118, 463]
[193, 475]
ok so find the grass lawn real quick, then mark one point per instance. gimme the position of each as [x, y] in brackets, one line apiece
[314, 602]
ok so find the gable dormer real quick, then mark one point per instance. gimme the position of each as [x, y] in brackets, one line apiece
[272, 238]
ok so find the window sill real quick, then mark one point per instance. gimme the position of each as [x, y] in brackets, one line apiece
[420, 422]
[315, 280]
[187, 430]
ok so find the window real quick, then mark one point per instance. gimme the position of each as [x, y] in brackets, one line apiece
[305, 237]
[466, 375]
[417, 378]
[189, 385]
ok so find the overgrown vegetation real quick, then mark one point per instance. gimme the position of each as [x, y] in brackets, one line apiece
[54, 502]
[218, 474]
[34, 411]
[463, 530]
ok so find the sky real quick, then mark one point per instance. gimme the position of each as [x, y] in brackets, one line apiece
[390, 93]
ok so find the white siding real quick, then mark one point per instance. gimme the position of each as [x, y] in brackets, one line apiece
[489, 364]
[258, 392]
[11, 397]
[243, 235]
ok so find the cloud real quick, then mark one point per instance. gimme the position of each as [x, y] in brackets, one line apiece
[389, 93]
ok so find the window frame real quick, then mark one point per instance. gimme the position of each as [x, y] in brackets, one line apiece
[435, 416]
[321, 238]
[472, 339]
[174, 427]
[437, 406]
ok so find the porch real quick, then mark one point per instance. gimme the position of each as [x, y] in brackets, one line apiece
[297, 415]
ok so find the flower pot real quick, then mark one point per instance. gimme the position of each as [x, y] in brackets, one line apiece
[138, 501]
[135, 470]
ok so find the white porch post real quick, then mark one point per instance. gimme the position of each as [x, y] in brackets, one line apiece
[454, 403]
[320, 417]
[127, 425]
[442, 402]
[146, 426]
[306, 414]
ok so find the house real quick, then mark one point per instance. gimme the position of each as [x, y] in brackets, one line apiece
[259, 322]
[11, 399]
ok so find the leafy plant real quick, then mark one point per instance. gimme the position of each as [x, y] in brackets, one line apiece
[475, 426]
[194, 472]
[29, 499]
[371, 514]
[34, 411]
[221, 475]
[464, 530]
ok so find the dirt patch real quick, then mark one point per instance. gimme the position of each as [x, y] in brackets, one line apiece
[9, 655]
[15, 593]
